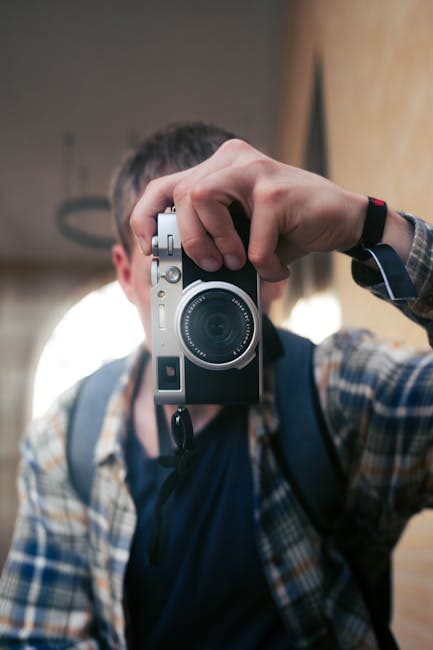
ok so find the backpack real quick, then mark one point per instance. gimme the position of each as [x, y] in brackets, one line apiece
[304, 450]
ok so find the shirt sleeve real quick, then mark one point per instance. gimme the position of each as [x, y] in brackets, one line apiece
[45, 588]
[419, 266]
[377, 401]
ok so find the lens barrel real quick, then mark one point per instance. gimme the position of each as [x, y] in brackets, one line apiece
[217, 325]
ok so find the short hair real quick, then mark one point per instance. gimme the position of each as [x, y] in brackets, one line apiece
[177, 147]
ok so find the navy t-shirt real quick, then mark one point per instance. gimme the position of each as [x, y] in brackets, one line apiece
[208, 590]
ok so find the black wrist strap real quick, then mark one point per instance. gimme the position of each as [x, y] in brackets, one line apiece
[389, 267]
[390, 271]
[374, 225]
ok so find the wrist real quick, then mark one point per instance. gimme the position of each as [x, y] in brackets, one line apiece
[399, 234]
[356, 212]
[375, 217]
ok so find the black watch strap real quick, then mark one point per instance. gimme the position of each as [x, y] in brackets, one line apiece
[375, 220]
[374, 225]
[389, 267]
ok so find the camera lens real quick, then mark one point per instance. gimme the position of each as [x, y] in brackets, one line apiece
[217, 326]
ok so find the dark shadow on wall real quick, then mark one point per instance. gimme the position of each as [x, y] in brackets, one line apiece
[315, 272]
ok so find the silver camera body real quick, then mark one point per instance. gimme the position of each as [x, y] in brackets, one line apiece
[206, 327]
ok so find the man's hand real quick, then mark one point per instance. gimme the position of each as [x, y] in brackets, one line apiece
[292, 212]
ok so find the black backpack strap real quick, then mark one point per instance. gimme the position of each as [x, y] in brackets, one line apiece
[85, 424]
[305, 449]
[307, 455]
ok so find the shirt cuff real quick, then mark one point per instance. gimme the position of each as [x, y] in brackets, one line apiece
[371, 279]
[420, 267]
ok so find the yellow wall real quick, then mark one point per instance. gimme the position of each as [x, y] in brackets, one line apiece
[378, 89]
[377, 60]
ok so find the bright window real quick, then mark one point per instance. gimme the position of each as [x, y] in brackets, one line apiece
[316, 317]
[100, 327]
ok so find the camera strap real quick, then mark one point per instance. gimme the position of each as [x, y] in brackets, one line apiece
[389, 269]
[181, 461]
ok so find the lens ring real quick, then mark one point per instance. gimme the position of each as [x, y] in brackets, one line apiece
[217, 325]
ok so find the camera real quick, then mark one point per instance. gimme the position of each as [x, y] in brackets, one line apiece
[206, 327]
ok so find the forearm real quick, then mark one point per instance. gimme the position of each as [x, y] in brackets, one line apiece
[292, 212]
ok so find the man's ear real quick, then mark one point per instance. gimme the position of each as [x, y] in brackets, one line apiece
[122, 264]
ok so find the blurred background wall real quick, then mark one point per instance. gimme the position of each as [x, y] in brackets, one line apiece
[341, 87]
[376, 67]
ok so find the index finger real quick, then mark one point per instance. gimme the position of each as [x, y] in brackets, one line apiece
[157, 196]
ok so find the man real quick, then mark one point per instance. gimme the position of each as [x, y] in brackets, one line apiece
[242, 566]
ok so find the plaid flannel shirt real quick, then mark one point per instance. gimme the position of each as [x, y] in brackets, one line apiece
[62, 585]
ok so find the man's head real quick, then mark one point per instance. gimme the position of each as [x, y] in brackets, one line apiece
[172, 149]
[175, 148]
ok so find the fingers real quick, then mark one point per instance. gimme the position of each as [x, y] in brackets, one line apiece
[156, 198]
[202, 196]
[211, 204]
[196, 241]
[205, 225]
[266, 247]
[210, 238]
[175, 187]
